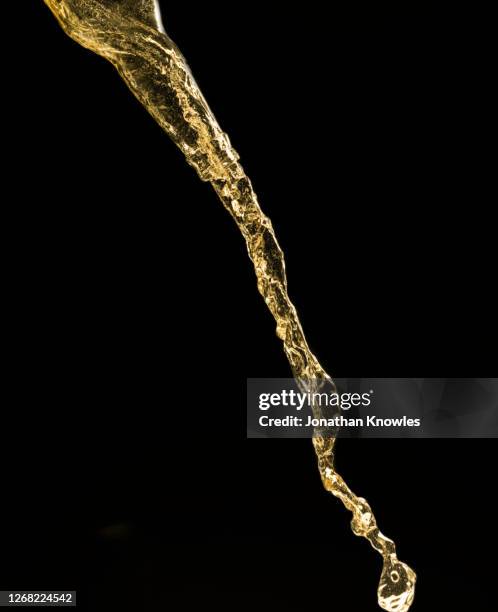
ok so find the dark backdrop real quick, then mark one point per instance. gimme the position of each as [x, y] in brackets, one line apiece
[132, 317]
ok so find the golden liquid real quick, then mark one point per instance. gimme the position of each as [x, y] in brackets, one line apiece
[129, 34]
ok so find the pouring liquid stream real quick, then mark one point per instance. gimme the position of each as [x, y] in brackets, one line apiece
[130, 34]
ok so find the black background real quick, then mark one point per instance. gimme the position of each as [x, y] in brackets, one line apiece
[132, 317]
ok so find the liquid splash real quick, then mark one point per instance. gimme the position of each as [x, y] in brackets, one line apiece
[130, 34]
